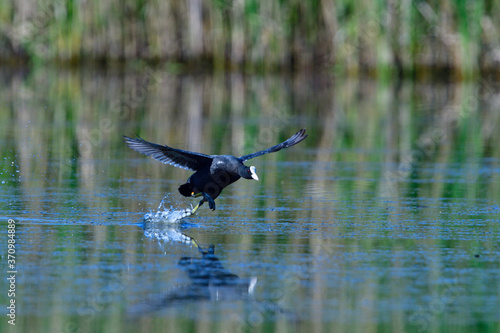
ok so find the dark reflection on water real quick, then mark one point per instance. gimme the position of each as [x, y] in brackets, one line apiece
[208, 281]
[385, 219]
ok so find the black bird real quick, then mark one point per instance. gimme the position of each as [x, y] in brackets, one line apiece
[212, 172]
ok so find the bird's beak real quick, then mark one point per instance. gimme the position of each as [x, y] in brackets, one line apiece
[254, 174]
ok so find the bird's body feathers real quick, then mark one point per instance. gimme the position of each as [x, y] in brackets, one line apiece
[212, 172]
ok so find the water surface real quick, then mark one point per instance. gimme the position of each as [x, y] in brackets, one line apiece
[386, 218]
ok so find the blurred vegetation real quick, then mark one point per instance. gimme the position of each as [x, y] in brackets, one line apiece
[457, 38]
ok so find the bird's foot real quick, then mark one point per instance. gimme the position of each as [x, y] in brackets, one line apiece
[211, 202]
[193, 211]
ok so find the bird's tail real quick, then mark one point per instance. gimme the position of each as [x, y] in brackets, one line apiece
[186, 189]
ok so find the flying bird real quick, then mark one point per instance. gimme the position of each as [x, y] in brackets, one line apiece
[212, 172]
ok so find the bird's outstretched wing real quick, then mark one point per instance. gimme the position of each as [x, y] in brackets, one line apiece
[177, 157]
[296, 138]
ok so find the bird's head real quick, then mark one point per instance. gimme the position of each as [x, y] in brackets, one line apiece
[249, 173]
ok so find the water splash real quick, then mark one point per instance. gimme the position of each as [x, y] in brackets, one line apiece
[167, 215]
[164, 224]
[165, 233]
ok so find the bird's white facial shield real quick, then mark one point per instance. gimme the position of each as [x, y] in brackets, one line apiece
[254, 174]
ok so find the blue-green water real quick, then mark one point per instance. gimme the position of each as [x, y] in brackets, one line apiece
[386, 218]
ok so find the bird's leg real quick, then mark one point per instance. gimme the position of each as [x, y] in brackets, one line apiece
[207, 198]
[197, 206]
[193, 241]
[211, 202]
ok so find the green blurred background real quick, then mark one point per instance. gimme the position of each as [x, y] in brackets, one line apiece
[456, 39]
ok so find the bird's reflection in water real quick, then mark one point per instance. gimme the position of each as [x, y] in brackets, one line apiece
[165, 232]
[208, 279]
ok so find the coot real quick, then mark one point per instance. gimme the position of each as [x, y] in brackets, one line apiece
[212, 172]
